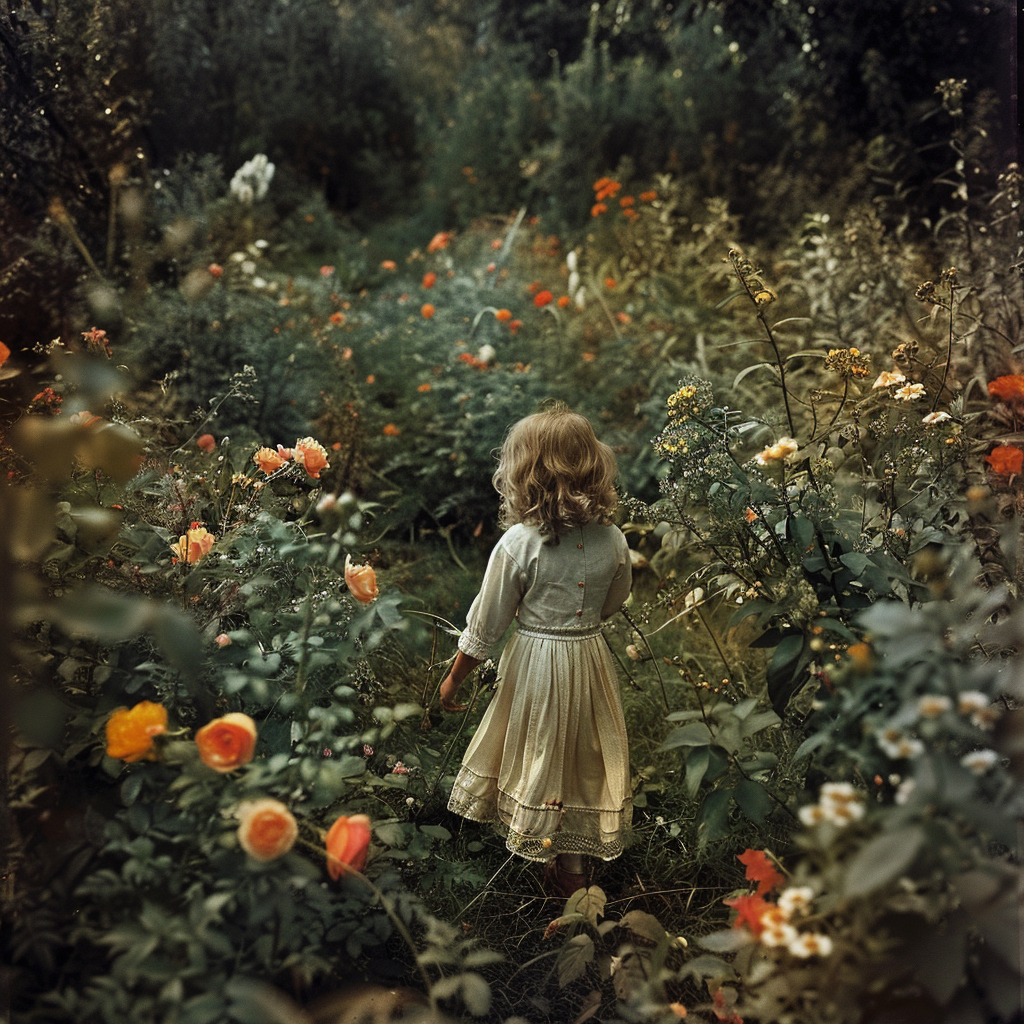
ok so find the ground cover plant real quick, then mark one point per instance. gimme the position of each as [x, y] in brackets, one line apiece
[249, 417]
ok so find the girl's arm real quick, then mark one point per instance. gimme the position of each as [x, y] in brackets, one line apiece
[464, 664]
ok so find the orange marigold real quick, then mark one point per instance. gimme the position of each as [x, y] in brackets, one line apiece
[502, 315]
[347, 843]
[130, 731]
[1006, 459]
[427, 311]
[424, 387]
[429, 279]
[227, 742]
[597, 209]
[542, 298]
[626, 201]
[563, 301]
[1009, 388]
[648, 197]
[390, 430]
[266, 828]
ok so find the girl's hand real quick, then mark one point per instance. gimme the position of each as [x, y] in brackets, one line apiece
[449, 691]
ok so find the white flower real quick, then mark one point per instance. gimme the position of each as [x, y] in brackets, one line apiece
[979, 761]
[896, 745]
[909, 393]
[252, 179]
[693, 598]
[782, 449]
[248, 267]
[970, 701]
[580, 298]
[933, 705]
[811, 814]
[570, 261]
[487, 354]
[574, 282]
[935, 417]
[904, 791]
[259, 282]
[838, 792]
[632, 651]
[842, 813]
[886, 379]
[778, 934]
[795, 899]
[808, 944]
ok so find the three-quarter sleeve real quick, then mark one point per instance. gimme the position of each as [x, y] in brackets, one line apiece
[494, 608]
[621, 584]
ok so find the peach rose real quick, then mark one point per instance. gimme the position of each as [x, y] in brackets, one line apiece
[270, 461]
[130, 731]
[347, 843]
[206, 442]
[266, 828]
[361, 581]
[193, 545]
[228, 742]
[311, 455]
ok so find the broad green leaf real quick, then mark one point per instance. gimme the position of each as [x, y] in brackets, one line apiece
[697, 761]
[693, 734]
[644, 924]
[753, 800]
[882, 860]
[576, 954]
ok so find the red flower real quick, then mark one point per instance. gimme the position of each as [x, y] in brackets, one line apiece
[749, 910]
[502, 315]
[542, 298]
[439, 241]
[326, 270]
[609, 282]
[563, 301]
[206, 443]
[514, 325]
[427, 311]
[1008, 389]
[215, 270]
[337, 318]
[648, 197]
[5, 353]
[429, 279]
[227, 742]
[1006, 459]
[347, 843]
[759, 868]
[388, 265]
[597, 209]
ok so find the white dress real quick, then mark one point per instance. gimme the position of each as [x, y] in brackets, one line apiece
[549, 763]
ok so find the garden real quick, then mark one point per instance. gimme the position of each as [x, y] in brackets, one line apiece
[276, 277]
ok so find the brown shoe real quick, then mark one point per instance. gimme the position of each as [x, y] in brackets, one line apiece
[561, 883]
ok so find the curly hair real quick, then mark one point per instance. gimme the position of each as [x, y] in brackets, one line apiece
[554, 473]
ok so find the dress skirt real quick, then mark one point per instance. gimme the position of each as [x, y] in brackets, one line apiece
[549, 763]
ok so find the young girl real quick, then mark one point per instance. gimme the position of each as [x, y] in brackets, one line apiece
[549, 763]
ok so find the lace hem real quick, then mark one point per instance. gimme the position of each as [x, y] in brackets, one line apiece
[595, 833]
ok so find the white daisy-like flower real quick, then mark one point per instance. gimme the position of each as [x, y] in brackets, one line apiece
[795, 899]
[935, 417]
[979, 761]
[844, 813]
[887, 378]
[933, 705]
[985, 718]
[838, 792]
[808, 944]
[778, 934]
[909, 393]
[896, 745]
[782, 449]
[811, 814]
[970, 701]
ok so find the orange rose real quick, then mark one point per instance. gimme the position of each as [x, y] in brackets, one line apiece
[130, 731]
[347, 843]
[228, 742]
[361, 581]
[193, 545]
[268, 460]
[311, 455]
[1006, 459]
[206, 443]
[266, 828]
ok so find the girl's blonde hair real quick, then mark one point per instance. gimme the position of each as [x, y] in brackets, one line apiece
[554, 473]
